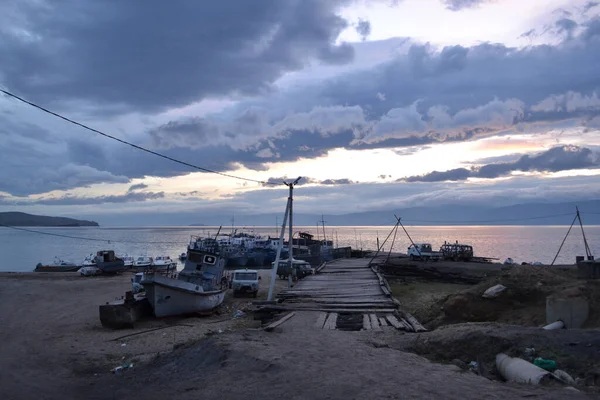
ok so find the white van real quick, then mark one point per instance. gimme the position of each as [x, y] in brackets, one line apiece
[245, 281]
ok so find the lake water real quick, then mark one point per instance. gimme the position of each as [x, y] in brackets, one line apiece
[21, 250]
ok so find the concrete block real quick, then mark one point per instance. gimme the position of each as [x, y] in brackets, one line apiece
[573, 311]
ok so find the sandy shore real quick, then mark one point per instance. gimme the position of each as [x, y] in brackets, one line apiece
[51, 332]
[54, 347]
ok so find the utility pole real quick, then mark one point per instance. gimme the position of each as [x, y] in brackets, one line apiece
[323, 222]
[278, 256]
[291, 242]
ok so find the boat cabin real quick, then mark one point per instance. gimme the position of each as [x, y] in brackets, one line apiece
[106, 256]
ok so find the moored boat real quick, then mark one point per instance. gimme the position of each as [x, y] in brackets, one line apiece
[57, 266]
[109, 263]
[142, 262]
[127, 260]
[89, 261]
[163, 263]
[198, 288]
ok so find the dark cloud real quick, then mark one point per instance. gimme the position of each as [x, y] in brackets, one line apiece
[363, 28]
[343, 181]
[566, 26]
[151, 55]
[458, 174]
[589, 5]
[306, 180]
[457, 5]
[137, 186]
[556, 159]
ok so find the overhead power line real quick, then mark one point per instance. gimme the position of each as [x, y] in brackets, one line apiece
[84, 238]
[135, 146]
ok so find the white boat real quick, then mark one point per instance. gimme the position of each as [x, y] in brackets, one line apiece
[198, 288]
[89, 261]
[163, 262]
[128, 260]
[142, 262]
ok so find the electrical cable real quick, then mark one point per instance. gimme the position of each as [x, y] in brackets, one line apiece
[135, 146]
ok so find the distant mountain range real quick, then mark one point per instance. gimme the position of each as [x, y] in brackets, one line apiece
[23, 219]
[521, 214]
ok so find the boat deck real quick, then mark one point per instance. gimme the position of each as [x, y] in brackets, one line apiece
[351, 295]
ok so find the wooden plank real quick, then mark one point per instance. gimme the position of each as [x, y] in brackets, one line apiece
[366, 322]
[280, 321]
[407, 326]
[374, 322]
[331, 321]
[395, 323]
[321, 320]
[414, 323]
[382, 321]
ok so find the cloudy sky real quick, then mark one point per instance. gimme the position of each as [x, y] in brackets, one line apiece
[379, 104]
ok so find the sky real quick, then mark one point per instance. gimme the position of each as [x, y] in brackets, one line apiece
[377, 104]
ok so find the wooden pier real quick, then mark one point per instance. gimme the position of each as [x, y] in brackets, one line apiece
[350, 295]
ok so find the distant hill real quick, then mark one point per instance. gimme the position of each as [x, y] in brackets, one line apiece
[443, 215]
[23, 219]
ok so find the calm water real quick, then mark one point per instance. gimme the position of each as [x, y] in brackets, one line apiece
[21, 251]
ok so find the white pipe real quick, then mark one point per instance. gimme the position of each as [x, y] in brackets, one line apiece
[519, 370]
[276, 264]
[554, 325]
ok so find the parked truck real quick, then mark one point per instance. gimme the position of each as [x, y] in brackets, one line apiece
[423, 251]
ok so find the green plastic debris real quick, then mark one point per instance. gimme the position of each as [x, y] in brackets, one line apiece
[548, 365]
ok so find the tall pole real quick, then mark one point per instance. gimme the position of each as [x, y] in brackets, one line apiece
[563, 242]
[588, 252]
[291, 242]
[323, 222]
[291, 228]
[278, 256]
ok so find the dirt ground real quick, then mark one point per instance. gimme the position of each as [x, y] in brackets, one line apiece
[50, 329]
[53, 347]
[421, 298]
[524, 300]
[299, 361]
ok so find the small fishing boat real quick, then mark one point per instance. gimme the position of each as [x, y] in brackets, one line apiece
[162, 263]
[108, 262]
[198, 288]
[57, 265]
[128, 260]
[142, 262]
[89, 261]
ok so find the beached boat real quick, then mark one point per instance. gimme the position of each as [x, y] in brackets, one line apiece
[89, 261]
[142, 262]
[109, 263]
[198, 288]
[57, 265]
[127, 259]
[163, 263]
